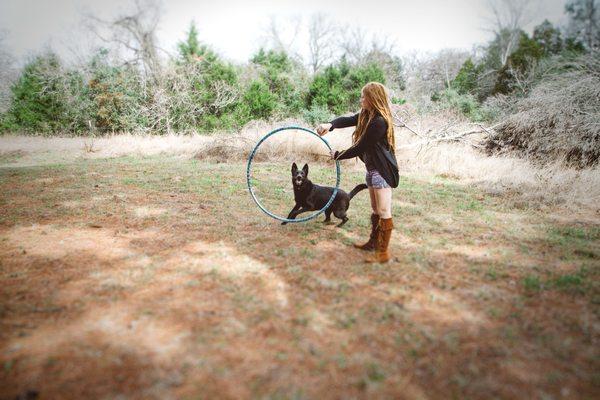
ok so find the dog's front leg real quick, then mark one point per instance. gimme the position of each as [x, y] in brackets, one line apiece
[291, 214]
[294, 214]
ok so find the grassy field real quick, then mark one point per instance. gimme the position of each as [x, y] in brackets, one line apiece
[158, 277]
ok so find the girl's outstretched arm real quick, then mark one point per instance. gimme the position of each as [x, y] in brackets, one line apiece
[344, 122]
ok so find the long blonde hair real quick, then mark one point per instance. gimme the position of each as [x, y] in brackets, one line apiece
[376, 96]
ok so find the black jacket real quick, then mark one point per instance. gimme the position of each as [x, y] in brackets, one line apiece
[372, 143]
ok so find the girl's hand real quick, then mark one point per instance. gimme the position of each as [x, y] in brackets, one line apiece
[323, 128]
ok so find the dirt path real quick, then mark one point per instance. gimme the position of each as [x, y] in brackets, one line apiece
[159, 278]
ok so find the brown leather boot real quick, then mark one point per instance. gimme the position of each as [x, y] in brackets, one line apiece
[382, 253]
[370, 245]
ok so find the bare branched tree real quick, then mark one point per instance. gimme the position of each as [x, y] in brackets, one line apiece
[134, 32]
[432, 72]
[282, 34]
[353, 43]
[321, 46]
[358, 45]
[447, 63]
[382, 44]
[507, 18]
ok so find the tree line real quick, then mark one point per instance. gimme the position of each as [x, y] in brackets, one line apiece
[197, 90]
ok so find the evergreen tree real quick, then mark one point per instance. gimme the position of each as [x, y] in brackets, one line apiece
[190, 47]
[259, 102]
[283, 77]
[48, 99]
[466, 79]
[548, 37]
[326, 89]
[338, 87]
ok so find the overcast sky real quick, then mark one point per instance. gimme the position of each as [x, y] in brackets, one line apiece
[235, 28]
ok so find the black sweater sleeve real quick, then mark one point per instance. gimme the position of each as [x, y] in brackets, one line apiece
[375, 132]
[344, 122]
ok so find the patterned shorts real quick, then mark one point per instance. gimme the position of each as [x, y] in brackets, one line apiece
[375, 180]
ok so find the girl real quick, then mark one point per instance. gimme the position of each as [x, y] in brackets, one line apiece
[373, 142]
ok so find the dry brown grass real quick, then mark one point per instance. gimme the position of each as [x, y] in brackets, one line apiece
[552, 184]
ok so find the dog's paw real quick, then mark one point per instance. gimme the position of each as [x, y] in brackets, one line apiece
[284, 222]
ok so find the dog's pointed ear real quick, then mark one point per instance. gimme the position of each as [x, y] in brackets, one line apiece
[305, 169]
[294, 168]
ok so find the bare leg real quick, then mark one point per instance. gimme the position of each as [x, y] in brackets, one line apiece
[383, 199]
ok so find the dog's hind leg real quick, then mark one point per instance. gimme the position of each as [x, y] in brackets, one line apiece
[327, 216]
[341, 214]
[344, 220]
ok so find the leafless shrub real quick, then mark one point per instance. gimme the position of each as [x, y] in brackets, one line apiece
[560, 119]
[88, 146]
[173, 101]
[500, 106]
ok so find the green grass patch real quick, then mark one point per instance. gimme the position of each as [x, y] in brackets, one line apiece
[532, 284]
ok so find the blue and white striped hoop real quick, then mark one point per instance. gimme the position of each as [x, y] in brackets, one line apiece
[249, 167]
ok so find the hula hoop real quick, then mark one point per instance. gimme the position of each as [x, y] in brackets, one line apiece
[248, 168]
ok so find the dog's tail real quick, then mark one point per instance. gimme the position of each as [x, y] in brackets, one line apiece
[357, 189]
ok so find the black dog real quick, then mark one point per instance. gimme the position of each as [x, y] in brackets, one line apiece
[311, 197]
